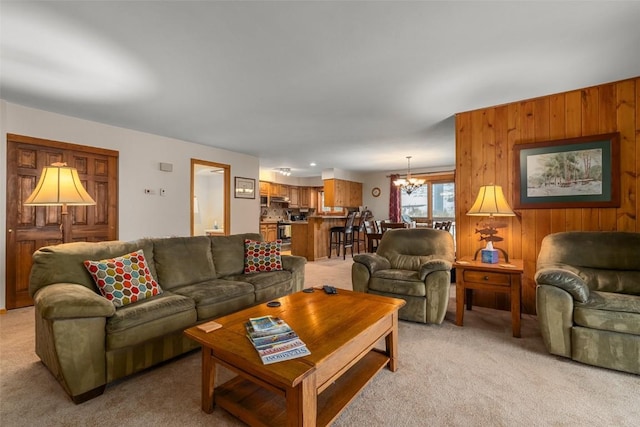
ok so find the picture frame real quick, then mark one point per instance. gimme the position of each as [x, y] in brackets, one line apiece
[581, 172]
[245, 188]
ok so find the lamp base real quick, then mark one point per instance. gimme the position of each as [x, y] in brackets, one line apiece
[504, 253]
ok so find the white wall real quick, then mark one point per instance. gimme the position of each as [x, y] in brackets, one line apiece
[140, 215]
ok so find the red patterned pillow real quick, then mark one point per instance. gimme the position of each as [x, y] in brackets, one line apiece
[262, 256]
[124, 279]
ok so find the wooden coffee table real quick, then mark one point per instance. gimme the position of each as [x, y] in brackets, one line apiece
[341, 332]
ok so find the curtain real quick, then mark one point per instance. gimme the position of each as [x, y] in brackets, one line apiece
[394, 199]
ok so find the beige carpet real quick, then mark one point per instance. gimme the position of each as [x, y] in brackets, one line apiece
[477, 375]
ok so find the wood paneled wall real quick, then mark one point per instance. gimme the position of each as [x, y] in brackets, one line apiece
[484, 154]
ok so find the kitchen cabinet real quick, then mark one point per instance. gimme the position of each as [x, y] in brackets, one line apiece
[264, 188]
[342, 193]
[294, 197]
[304, 195]
[269, 231]
[279, 190]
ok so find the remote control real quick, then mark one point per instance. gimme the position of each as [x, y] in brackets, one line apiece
[330, 290]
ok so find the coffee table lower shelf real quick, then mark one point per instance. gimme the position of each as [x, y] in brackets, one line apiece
[258, 406]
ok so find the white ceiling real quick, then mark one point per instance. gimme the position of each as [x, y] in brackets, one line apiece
[349, 85]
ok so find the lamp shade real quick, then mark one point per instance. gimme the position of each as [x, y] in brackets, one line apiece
[490, 202]
[59, 185]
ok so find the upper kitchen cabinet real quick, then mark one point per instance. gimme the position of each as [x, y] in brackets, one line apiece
[294, 197]
[265, 187]
[304, 196]
[341, 193]
[279, 190]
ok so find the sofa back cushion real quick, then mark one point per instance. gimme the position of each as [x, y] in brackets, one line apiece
[182, 261]
[611, 259]
[408, 249]
[228, 252]
[65, 263]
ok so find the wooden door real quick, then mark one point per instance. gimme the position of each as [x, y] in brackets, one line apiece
[31, 227]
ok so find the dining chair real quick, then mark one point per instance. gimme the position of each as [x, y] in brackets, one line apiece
[387, 225]
[372, 236]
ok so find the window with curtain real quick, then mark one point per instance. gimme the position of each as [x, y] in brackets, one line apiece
[433, 201]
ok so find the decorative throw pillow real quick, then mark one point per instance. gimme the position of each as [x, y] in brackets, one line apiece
[124, 279]
[262, 256]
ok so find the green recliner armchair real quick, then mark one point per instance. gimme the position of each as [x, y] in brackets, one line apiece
[412, 264]
[588, 297]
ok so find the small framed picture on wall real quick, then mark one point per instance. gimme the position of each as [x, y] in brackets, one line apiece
[245, 188]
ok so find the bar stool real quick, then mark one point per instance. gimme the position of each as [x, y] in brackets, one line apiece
[359, 228]
[342, 236]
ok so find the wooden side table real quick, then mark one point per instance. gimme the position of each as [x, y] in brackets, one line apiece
[502, 277]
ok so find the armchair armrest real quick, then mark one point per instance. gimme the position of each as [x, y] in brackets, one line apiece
[68, 301]
[373, 262]
[434, 265]
[566, 277]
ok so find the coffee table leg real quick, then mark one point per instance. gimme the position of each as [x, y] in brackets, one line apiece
[208, 379]
[391, 341]
[302, 403]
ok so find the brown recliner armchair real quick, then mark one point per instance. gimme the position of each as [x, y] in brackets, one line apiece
[412, 264]
[588, 297]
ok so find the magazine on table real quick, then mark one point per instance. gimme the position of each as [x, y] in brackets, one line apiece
[276, 342]
[280, 328]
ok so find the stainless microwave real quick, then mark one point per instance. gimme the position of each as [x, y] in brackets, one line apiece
[263, 200]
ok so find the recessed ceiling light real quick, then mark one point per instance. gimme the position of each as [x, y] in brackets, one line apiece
[312, 164]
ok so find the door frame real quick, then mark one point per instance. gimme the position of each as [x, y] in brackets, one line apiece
[227, 192]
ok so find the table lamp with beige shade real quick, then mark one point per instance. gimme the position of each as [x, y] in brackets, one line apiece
[59, 185]
[492, 203]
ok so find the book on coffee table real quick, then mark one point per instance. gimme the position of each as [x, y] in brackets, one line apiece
[276, 342]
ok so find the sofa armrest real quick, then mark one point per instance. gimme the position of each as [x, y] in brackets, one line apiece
[373, 262]
[71, 336]
[434, 265]
[68, 301]
[295, 264]
[566, 277]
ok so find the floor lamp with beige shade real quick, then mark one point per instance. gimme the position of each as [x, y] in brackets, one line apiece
[60, 185]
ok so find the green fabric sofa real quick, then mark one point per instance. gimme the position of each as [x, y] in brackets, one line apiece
[412, 264]
[86, 342]
[588, 297]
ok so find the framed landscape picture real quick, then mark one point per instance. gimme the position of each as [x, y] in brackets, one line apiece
[579, 172]
[245, 188]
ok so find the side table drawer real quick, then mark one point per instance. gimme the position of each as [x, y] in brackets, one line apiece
[498, 279]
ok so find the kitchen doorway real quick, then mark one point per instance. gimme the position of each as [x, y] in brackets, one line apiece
[210, 198]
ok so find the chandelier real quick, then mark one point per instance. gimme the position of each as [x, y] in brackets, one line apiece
[409, 184]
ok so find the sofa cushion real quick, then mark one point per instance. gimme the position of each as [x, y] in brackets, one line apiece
[264, 280]
[148, 319]
[183, 260]
[228, 253]
[609, 312]
[262, 256]
[402, 282]
[216, 291]
[124, 280]
[268, 285]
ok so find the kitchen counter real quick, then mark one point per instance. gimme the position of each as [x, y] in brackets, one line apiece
[310, 238]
